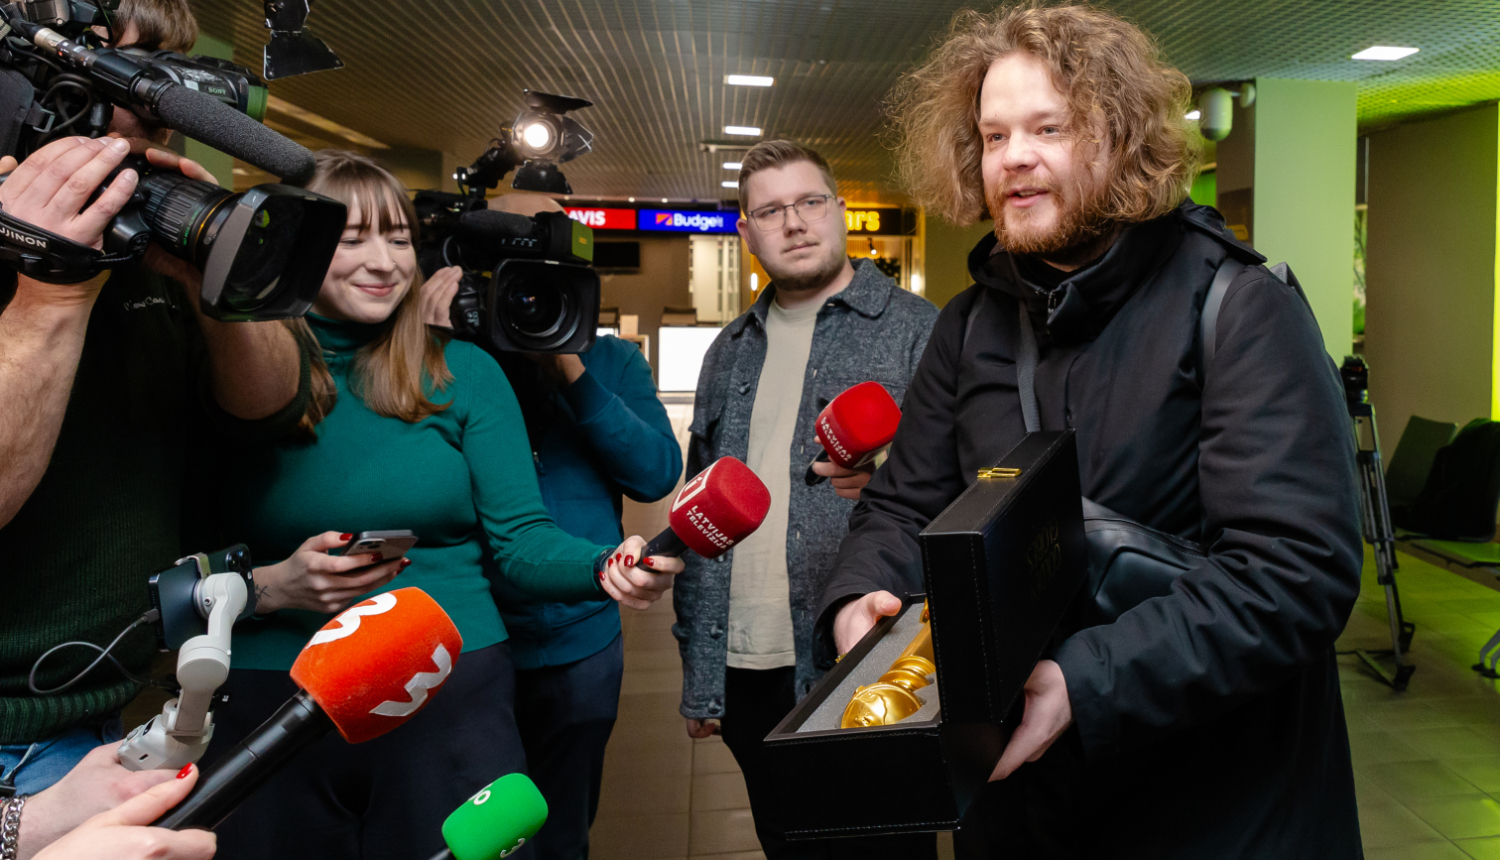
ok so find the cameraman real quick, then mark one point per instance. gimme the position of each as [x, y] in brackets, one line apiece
[597, 431]
[109, 386]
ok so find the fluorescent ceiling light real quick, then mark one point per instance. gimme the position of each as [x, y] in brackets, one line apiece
[730, 183]
[1193, 114]
[1384, 52]
[732, 165]
[748, 80]
[742, 130]
[276, 105]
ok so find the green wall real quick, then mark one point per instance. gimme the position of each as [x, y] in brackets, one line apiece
[219, 164]
[1305, 137]
[947, 256]
[1430, 270]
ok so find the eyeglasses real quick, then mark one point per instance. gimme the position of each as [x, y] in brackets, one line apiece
[814, 208]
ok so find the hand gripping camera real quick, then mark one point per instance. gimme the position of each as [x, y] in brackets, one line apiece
[527, 284]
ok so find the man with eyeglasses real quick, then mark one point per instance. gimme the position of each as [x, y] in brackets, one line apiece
[823, 324]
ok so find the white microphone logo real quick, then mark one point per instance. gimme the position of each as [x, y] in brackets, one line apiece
[349, 621]
[693, 487]
[418, 686]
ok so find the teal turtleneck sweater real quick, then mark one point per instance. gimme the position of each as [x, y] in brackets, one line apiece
[461, 479]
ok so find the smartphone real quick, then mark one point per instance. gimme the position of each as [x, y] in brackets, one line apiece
[386, 544]
[174, 593]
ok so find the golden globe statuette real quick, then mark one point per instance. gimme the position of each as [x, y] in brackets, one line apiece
[892, 699]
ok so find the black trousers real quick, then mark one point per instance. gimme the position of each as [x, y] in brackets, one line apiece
[754, 702]
[385, 799]
[565, 714]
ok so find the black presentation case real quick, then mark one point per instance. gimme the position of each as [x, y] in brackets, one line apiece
[1003, 565]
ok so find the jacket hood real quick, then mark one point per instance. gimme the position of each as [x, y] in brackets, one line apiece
[1082, 304]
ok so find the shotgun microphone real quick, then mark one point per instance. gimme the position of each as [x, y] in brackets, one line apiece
[366, 672]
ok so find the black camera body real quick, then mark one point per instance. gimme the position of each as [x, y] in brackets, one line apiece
[527, 284]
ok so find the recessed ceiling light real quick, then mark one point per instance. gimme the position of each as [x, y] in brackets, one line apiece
[730, 183]
[742, 130]
[1193, 115]
[748, 80]
[664, 200]
[732, 165]
[1384, 52]
[630, 199]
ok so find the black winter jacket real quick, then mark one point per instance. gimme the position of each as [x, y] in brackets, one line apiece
[1208, 722]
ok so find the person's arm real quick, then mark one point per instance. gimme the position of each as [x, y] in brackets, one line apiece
[626, 425]
[531, 551]
[880, 557]
[122, 833]
[42, 328]
[96, 784]
[1277, 481]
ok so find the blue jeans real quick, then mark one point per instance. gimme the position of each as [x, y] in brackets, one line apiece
[49, 760]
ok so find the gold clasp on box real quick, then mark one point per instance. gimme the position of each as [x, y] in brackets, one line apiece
[997, 472]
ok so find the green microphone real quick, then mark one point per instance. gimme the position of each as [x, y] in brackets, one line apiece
[495, 822]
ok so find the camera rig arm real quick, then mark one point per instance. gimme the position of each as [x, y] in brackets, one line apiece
[181, 732]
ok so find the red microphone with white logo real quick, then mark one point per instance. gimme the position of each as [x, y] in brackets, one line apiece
[854, 427]
[369, 670]
[717, 509]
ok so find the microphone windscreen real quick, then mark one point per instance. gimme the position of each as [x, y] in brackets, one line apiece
[489, 224]
[376, 663]
[496, 821]
[208, 120]
[719, 508]
[858, 422]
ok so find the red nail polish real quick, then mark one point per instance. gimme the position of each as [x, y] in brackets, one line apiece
[646, 563]
[405, 562]
[629, 560]
[186, 769]
[346, 536]
[617, 556]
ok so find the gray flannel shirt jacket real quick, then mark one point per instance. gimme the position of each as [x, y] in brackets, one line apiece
[872, 330]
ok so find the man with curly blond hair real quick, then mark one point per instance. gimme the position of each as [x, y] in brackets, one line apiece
[1203, 719]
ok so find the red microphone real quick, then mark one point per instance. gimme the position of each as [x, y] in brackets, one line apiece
[854, 427]
[717, 509]
[366, 672]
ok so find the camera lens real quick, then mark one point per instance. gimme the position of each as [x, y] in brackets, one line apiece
[179, 211]
[539, 313]
[263, 253]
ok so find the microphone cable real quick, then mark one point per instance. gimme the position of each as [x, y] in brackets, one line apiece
[149, 617]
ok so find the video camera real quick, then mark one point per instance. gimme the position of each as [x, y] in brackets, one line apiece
[263, 252]
[527, 284]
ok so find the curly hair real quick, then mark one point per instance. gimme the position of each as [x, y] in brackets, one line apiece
[1119, 93]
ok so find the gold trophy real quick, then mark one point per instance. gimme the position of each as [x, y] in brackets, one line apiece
[891, 699]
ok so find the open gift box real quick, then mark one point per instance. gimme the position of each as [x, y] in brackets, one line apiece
[1002, 566]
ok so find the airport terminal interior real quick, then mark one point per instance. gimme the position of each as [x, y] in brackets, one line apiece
[1358, 140]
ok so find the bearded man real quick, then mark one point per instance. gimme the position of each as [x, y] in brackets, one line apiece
[822, 325]
[1206, 721]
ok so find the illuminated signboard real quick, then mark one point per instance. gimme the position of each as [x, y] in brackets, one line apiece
[686, 221]
[604, 219]
[887, 221]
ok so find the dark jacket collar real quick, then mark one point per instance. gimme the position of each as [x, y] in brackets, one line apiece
[868, 294]
[1082, 304]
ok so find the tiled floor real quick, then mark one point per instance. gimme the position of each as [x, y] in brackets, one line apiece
[1427, 761]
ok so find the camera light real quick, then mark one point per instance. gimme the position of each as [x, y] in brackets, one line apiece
[537, 135]
[742, 130]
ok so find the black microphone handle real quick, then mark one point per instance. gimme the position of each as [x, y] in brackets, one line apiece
[298, 724]
[445, 854]
[813, 478]
[666, 543]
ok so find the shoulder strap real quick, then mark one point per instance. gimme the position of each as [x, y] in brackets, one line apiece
[1026, 372]
[1208, 321]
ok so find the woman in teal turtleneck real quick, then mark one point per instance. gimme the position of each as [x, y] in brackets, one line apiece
[403, 432]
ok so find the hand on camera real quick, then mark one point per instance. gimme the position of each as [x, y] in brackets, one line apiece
[846, 482]
[437, 296]
[1048, 714]
[121, 833]
[313, 579]
[96, 784]
[858, 616]
[638, 582]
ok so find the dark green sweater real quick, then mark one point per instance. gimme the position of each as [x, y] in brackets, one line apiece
[110, 510]
[461, 479]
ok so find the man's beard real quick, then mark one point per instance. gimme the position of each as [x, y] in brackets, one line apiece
[1074, 239]
[816, 279]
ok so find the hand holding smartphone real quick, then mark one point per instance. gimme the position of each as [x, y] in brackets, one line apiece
[385, 544]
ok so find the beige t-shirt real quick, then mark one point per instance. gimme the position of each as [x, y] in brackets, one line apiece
[760, 610]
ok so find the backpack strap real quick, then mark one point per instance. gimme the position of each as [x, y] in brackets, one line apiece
[1208, 321]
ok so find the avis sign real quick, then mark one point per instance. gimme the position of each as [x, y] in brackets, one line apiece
[604, 219]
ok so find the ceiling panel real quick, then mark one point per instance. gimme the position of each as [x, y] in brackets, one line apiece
[447, 74]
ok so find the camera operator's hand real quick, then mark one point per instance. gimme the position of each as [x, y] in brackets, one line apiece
[563, 369]
[638, 582]
[51, 187]
[122, 834]
[96, 784]
[313, 579]
[437, 296]
[157, 259]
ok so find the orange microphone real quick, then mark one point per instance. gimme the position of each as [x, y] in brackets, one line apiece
[369, 670]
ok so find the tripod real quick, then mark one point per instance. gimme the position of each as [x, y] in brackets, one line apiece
[1377, 525]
